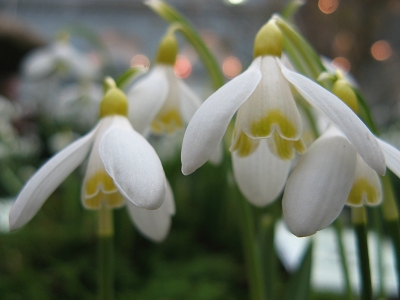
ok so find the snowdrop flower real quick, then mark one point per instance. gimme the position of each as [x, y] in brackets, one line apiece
[329, 175]
[123, 169]
[161, 103]
[268, 126]
[59, 56]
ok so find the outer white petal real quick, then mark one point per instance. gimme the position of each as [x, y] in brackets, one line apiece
[133, 165]
[154, 224]
[47, 179]
[147, 97]
[260, 176]
[340, 114]
[272, 94]
[318, 186]
[392, 157]
[208, 125]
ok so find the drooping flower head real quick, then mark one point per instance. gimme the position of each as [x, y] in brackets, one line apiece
[267, 133]
[122, 169]
[161, 103]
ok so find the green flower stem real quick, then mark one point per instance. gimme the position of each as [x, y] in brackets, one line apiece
[391, 217]
[172, 16]
[251, 250]
[359, 219]
[339, 237]
[106, 254]
[269, 259]
[290, 9]
[296, 46]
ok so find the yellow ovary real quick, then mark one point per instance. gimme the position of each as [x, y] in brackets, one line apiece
[166, 122]
[268, 123]
[100, 191]
[243, 145]
[285, 149]
[362, 190]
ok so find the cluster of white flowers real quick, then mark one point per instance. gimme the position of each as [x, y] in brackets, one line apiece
[341, 166]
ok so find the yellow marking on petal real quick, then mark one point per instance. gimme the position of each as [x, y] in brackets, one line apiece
[243, 145]
[274, 118]
[100, 191]
[285, 149]
[362, 191]
[167, 122]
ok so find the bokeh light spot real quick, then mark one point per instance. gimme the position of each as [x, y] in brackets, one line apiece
[341, 63]
[231, 66]
[140, 61]
[182, 67]
[381, 50]
[328, 6]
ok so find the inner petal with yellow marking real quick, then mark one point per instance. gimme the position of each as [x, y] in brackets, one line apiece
[243, 145]
[100, 191]
[167, 122]
[363, 192]
[274, 120]
[285, 149]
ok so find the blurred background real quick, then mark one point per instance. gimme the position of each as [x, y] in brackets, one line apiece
[46, 104]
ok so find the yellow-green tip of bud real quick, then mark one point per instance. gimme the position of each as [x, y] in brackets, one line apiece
[114, 103]
[167, 50]
[343, 90]
[268, 41]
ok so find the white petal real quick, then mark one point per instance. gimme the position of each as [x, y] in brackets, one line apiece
[47, 179]
[341, 115]
[217, 156]
[318, 186]
[208, 125]
[189, 101]
[95, 164]
[392, 157]
[133, 165]
[271, 100]
[154, 224]
[146, 98]
[260, 176]
[366, 189]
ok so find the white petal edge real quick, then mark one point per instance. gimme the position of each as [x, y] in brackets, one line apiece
[317, 189]
[146, 98]
[342, 116]
[133, 165]
[260, 176]
[208, 125]
[392, 157]
[154, 224]
[44, 182]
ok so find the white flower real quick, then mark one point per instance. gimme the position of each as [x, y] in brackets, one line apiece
[59, 56]
[160, 102]
[123, 169]
[330, 175]
[267, 113]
